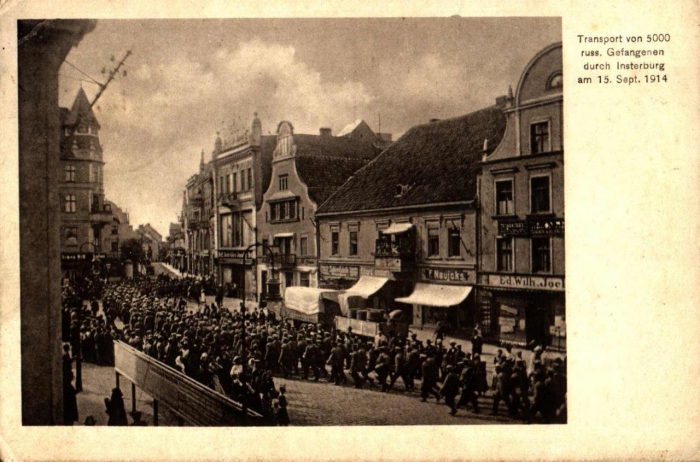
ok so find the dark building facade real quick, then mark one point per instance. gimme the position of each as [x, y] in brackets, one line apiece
[85, 216]
[521, 250]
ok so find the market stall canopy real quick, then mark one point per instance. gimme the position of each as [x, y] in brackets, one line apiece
[436, 295]
[397, 228]
[355, 297]
[308, 300]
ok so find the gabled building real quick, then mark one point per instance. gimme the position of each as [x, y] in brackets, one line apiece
[84, 213]
[401, 232]
[240, 171]
[199, 220]
[151, 240]
[119, 230]
[521, 264]
[306, 171]
[176, 240]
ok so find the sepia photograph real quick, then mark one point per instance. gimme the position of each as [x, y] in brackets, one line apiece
[292, 222]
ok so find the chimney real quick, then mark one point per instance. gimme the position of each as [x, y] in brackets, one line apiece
[501, 100]
[325, 132]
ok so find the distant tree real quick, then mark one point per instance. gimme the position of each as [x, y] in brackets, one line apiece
[132, 250]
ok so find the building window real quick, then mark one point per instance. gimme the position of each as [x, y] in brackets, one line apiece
[284, 210]
[226, 230]
[234, 180]
[82, 129]
[243, 188]
[504, 197]
[304, 279]
[70, 173]
[72, 237]
[454, 242]
[539, 194]
[91, 175]
[541, 255]
[98, 173]
[352, 250]
[539, 137]
[115, 246]
[70, 203]
[304, 246]
[288, 279]
[433, 242]
[115, 229]
[250, 178]
[93, 130]
[335, 241]
[504, 254]
[282, 182]
[221, 185]
[237, 230]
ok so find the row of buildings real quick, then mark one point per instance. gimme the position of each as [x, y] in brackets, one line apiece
[459, 221]
[92, 227]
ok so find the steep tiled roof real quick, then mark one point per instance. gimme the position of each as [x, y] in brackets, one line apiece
[81, 105]
[436, 162]
[324, 163]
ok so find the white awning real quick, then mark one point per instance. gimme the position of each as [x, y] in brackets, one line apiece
[280, 235]
[398, 228]
[308, 300]
[367, 286]
[436, 295]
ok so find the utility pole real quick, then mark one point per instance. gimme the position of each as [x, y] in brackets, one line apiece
[103, 87]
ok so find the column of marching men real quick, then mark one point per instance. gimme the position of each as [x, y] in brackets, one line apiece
[212, 345]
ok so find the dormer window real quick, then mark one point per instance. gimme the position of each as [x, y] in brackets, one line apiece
[83, 129]
[401, 189]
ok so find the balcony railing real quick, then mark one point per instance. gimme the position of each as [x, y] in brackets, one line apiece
[229, 199]
[394, 256]
[282, 259]
[101, 214]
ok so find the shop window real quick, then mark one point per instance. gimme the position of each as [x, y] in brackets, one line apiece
[433, 242]
[304, 246]
[282, 182]
[539, 194]
[504, 197]
[539, 137]
[504, 254]
[70, 203]
[541, 255]
[70, 173]
[304, 279]
[352, 250]
[335, 243]
[454, 242]
[71, 237]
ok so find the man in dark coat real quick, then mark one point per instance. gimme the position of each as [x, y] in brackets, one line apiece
[450, 388]
[335, 360]
[429, 377]
[469, 379]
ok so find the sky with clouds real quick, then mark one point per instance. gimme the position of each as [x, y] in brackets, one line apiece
[188, 79]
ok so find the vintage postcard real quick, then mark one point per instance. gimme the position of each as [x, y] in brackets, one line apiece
[351, 221]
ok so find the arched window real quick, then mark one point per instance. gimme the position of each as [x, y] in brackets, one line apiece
[555, 81]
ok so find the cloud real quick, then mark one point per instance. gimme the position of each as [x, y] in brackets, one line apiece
[155, 126]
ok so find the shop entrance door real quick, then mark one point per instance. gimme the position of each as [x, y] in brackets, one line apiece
[536, 325]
